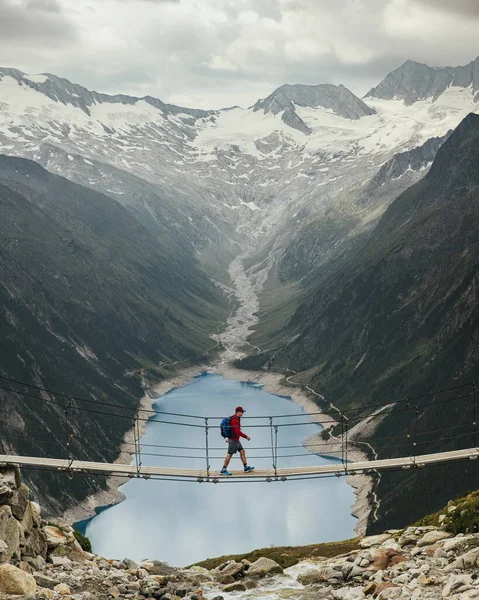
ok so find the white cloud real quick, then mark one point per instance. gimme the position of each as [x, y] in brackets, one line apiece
[213, 53]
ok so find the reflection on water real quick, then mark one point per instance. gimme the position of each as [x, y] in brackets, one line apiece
[184, 522]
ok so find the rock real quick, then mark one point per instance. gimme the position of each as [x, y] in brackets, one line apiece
[390, 592]
[467, 560]
[36, 562]
[440, 553]
[35, 544]
[460, 544]
[374, 540]
[347, 594]
[234, 569]
[156, 567]
[54, 536]
[224, 565]
[5, 492]
[432, 537]
[10, 533]
[24, 566]
[237, 586]
[60, 561]
[218, 598]
[72, 550]
[326, 574]
[36, 508]
[224, 579]
[44, 581]
[62, 589]
[130, 564]
[454, 583]
[384, 558]
[370, 589]
[424, 580]
[364, 562]
[19, 501]
[16, 581]
[264, 566]
[251, 584]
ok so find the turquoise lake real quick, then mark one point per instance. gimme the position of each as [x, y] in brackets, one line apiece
[184, 522]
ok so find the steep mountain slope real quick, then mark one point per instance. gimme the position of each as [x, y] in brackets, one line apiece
[90, 303]
[398, 316]
[415, 81]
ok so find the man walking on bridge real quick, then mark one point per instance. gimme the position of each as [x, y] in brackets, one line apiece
[234, 444]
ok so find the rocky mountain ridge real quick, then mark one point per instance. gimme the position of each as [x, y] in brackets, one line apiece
[337, 99]
[415, 81]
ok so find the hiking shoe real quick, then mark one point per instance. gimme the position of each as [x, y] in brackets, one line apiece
[248, 469]
[225, 472]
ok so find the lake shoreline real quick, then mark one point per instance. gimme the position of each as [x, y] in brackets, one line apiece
[272, 383]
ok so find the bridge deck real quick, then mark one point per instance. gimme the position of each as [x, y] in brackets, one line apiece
[77, 466]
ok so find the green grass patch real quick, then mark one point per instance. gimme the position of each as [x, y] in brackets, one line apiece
[459, 516]
[82, 540]
[287, 556]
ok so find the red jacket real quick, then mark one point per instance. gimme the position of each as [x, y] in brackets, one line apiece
[236, 428]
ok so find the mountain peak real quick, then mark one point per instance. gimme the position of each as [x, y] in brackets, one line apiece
[62, 90]
[414, 81]
[338, 99]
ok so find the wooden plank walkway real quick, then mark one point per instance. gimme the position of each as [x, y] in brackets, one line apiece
[76, 466]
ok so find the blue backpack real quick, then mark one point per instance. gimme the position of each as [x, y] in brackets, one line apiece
[225, 427]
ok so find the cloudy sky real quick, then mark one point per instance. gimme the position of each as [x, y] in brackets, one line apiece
[216, 53]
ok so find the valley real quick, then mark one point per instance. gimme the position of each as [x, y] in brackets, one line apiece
[314, 231]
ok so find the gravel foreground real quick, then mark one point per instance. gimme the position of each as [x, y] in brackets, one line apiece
[47, 561]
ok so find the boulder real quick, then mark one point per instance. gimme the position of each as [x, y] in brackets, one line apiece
[224, 579]
[60, 561]
[44, 581]
[35, 544]
[263, 567]
[5, 492]
[467, 560]
[459, 545]
[72, 550]
[130, 564]
[374, 540]
[454, 583]
[326, 574]
[10, 533]
[384, 558]
[431, 537]
[16, 581]
[54, 536]
[12, 477]
[19, 501]
[237, 586]
[234, 569]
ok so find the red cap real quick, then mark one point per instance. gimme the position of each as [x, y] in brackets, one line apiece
[239, 409]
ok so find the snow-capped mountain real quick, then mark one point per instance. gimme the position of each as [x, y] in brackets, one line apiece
[415, 81]
[301, 152]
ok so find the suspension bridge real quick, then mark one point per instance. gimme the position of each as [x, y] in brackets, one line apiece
[419, 432]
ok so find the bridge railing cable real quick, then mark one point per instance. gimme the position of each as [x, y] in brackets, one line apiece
[420, 414]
